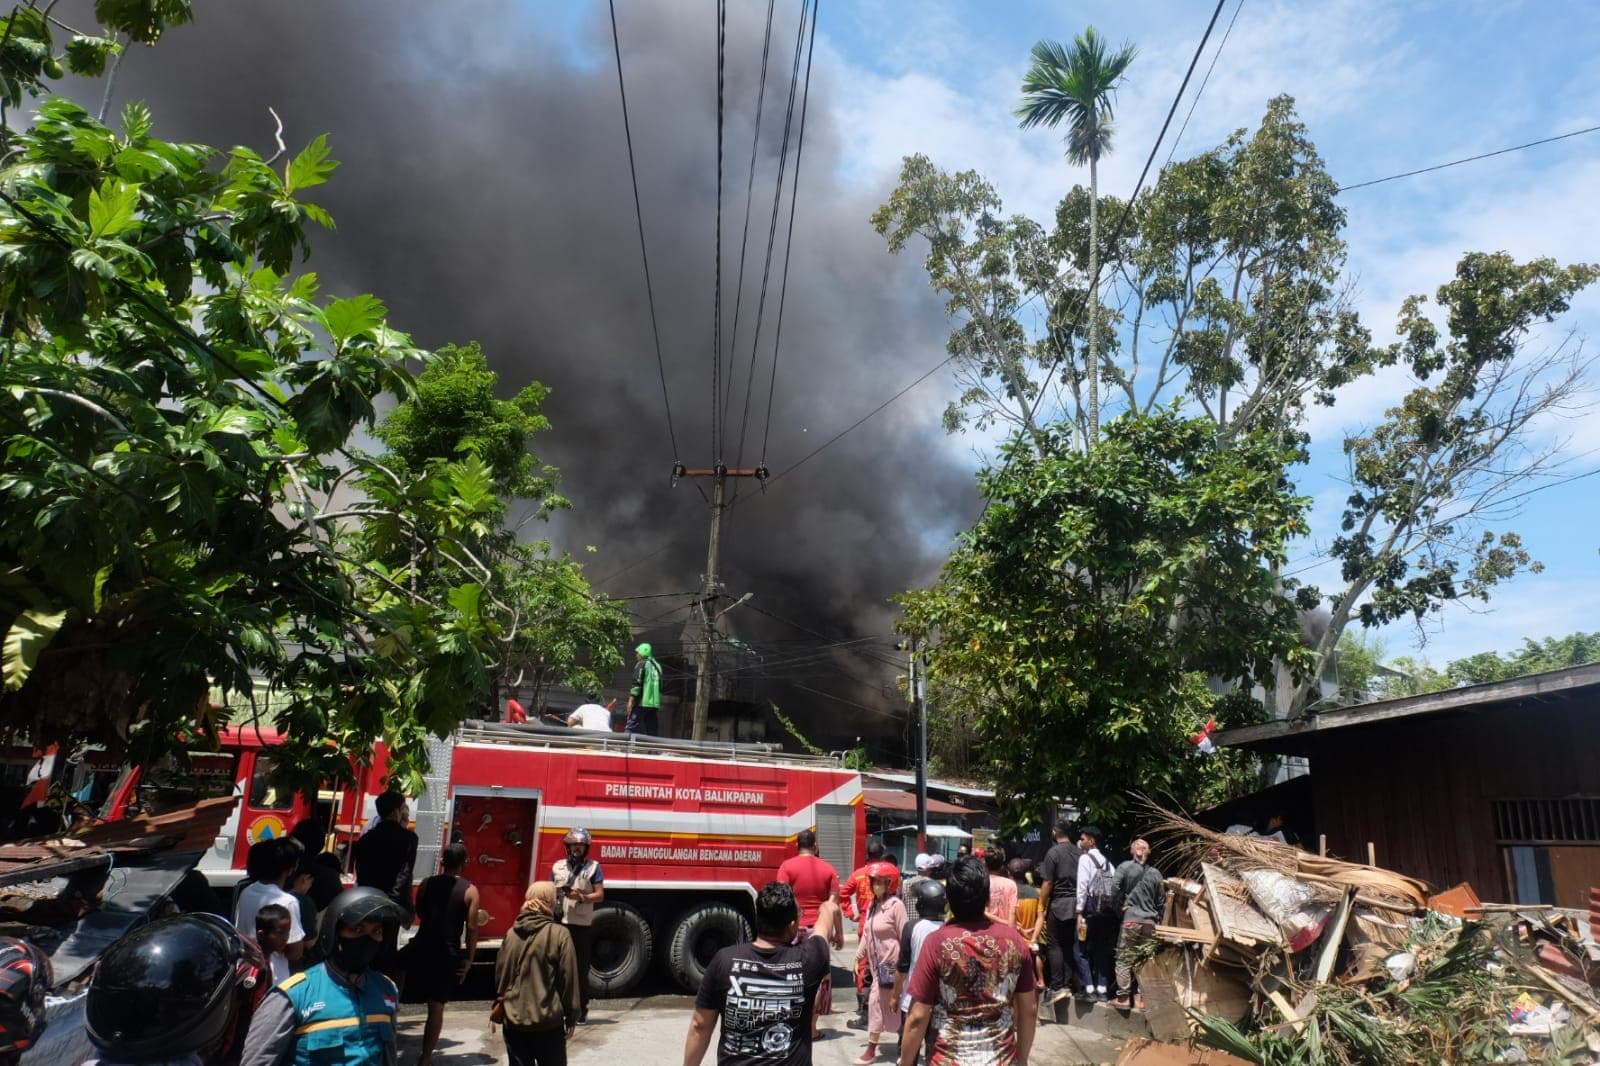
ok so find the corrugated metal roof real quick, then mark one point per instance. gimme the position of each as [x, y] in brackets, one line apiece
[892, 799]
[941, 786]
[189, 829]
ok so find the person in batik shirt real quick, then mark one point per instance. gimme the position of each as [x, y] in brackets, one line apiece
[973, 983]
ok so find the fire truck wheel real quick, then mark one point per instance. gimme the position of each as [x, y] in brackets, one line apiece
[698, 936]
[621, 951]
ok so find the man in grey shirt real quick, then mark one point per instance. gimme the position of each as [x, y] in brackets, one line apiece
[1142, 894]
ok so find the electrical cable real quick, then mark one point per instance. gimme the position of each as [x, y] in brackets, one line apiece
[749, 199]
[1468, 159]
[633, 565]
[788, 248]
[638, 214]
[716, 302]
[791, 468]
[1198, 93]
[772, 230]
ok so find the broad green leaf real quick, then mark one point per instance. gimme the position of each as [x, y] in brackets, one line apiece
[466, 599]
[319, 215]
[311, 167]
[29, 635]
[101, 576]
[344, 319]
[136, 120]
[112, 208]
[305, 286]
[143, 20]
[87, 55]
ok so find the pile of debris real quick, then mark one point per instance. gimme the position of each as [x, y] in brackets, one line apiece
[1282, 957]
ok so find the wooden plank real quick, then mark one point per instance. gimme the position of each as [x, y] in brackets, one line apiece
[1333, 938]
[1235, 919]
[1182, 935]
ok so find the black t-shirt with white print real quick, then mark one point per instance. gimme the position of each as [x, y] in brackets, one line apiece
[765, 998]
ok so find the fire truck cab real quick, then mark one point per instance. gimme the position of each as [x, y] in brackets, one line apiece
[686, 833]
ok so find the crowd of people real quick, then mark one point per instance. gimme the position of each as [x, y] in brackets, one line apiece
[951, 965]
[301, 970]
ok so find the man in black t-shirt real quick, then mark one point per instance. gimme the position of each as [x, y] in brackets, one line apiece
[1058, 895]
[764, 992]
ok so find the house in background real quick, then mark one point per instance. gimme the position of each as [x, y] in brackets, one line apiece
[1497, 785]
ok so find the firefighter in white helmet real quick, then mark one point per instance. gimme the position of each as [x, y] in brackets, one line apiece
[580, 884]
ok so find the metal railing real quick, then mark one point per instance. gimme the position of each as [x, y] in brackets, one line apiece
[561, 738]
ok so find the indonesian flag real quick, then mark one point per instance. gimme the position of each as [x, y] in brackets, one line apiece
[1202, 739]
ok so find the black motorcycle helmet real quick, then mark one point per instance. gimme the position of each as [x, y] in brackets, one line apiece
[24, 979]
[352, 907]
[930, 899]
[171, 988]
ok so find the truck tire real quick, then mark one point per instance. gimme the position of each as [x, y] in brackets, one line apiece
[697, 937]
[622, 949]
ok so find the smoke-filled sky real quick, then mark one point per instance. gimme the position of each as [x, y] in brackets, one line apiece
[484, 195]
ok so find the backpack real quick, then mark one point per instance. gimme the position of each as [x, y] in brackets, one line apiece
[1100, 898]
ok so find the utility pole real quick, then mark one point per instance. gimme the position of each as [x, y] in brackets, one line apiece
[719, 476]
[919, 707]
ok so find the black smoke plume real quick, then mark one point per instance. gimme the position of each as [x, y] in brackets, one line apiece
[484, 195]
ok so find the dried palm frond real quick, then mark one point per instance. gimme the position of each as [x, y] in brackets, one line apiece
[1192, 843]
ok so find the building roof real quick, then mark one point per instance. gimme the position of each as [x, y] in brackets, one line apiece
[1300, 735]
[940, 786]
[188, 829]
[892, 799]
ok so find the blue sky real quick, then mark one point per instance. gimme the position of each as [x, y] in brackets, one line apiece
[1383, 87]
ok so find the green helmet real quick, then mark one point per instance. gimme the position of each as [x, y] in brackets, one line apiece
[643, 650]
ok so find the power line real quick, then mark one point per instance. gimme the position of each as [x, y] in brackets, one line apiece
[638, 214]
[636, 563]
[858, 423]
[1198, 93]
[772, 230]
[716, 303]
[749, 200]
[788, 248]
[1468, 159]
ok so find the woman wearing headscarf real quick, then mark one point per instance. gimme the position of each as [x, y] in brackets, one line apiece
[880, 943]
[536, 982]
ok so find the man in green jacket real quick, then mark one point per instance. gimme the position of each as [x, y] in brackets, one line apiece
[536, 981]
[644, 699]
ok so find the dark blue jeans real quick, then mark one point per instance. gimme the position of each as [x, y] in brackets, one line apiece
[645, 720]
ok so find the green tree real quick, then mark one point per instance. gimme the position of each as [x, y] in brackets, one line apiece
[177, 405]
[1357, 667]
[1412, 536]
[1106, 605]
[1534, 657]
[1407, 676]
[1228, 282]
[463, 458]
[1232, 294]
[1077, 86]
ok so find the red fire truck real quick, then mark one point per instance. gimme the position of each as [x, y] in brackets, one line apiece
[686, 832]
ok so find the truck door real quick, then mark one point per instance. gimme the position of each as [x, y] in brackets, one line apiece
[266, 811]
[499, 828]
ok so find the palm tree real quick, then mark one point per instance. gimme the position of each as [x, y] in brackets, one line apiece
[1076, 85]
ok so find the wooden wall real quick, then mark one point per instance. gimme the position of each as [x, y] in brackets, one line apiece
[1421, 789]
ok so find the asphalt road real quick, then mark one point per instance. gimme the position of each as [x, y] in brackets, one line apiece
[649, 1029]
